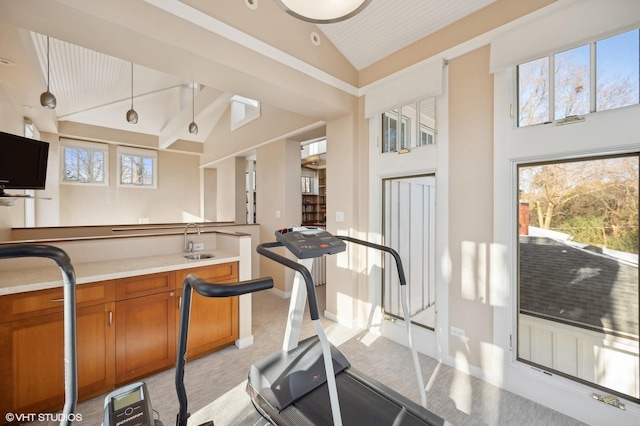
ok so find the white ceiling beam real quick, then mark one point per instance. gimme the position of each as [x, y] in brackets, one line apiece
[207, 102]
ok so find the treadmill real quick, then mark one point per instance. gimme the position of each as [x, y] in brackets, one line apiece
[310, 382]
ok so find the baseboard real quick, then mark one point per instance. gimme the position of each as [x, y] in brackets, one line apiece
[244, 342]
[280, 293]
[350, 324]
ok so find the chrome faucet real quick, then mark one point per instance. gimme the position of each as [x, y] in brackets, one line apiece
[188, 247]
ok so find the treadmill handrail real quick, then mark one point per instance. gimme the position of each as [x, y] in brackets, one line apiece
[313, 303]
[392, 252]
[206, 289]
[405, 308]
[61, 258]
[265, 250]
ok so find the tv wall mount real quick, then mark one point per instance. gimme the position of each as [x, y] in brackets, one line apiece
[8, 200]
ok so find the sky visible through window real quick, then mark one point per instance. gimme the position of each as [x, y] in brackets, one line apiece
[616, 80]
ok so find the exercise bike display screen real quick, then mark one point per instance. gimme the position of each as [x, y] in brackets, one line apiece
[129, 406]
[305, 242]
[126, 400]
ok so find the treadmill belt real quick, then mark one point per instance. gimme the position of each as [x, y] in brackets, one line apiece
[359, 405]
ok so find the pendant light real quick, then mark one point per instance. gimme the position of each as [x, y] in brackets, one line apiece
[132, 115]
[193, 127]
[323, 11]
[47, 99]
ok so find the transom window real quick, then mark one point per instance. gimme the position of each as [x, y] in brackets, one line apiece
[594, 77]
[85, 162]
[138, 167]
[409, 126]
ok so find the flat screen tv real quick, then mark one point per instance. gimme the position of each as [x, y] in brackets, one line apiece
[23, 162]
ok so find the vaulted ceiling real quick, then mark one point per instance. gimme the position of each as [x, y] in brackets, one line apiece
[95, 44]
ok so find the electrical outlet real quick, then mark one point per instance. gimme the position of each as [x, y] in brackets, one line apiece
[458, 332]
[198, 246]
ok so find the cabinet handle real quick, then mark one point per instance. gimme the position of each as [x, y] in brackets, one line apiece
[56, 300]
[110, 318]
[171, 294]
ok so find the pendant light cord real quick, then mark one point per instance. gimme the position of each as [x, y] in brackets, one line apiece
[131, 85]
[48, 66]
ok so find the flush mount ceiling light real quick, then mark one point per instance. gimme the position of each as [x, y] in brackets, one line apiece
[47, 99]
[323, 11]
[193, 127]
[132, 115]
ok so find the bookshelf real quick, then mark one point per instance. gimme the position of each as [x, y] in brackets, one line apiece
[314, 207]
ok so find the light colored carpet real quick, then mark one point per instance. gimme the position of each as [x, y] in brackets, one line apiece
[216, 383]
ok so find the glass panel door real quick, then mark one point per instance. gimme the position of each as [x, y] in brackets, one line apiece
[409, 228]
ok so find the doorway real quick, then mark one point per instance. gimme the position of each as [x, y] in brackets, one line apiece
[409, 228]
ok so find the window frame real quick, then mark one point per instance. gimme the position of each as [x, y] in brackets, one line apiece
[581, 327]
[137, 152]
[412, 128]
[592, 85]
[84, 146]
[607, 133]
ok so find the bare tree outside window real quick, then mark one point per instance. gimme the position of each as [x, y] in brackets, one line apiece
[616, 80]
[136, 170]
[83, 165]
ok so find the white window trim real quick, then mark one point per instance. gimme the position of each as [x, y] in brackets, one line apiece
[513, 146]
[95, 146]
[425, 159]
[140, 152]
[581, 21]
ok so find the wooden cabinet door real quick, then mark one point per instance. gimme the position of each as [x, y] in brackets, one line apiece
[32, 374]
[145, 335]
[213, 322]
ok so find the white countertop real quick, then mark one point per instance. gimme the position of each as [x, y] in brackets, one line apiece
[22, 280]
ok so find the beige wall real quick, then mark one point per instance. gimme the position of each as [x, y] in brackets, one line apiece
[278, 194]
[210, 194]
[176, 198]
[470, 204]
[344, 178]
[272, 125]
[230, 190]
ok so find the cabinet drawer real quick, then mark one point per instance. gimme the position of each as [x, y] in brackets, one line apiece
[144, 285]
[42, 302]
[224, 272]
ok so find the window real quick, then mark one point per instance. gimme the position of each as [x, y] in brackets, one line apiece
[137, 167]
[307, 184]
[416, 128]
[85, 162]
[573, 88]
[578, 270]
[243, 111]
[394, 136]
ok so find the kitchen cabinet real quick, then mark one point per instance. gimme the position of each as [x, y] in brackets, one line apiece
[32, 346]
[145, 325]
[126, 329]
[213, 322]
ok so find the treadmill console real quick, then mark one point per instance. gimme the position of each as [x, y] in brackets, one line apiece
[306, 242]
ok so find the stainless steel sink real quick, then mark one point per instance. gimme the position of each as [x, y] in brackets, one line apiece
[198, 256]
